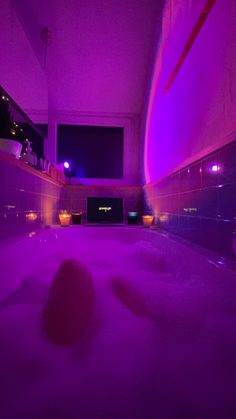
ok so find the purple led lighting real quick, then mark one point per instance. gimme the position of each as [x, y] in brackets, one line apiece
[215, 168]
[166, 120]
[66, 165]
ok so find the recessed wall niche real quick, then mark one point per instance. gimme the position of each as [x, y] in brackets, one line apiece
[93, 151]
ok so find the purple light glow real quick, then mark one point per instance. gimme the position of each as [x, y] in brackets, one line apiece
[170, 120]
[66, 165]
[215, 168]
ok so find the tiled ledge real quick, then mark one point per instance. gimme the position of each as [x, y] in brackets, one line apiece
[29, 169]
[101, 187]
[5, 157]
[25, 190]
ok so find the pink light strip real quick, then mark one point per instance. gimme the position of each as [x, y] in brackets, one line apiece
[199, 24]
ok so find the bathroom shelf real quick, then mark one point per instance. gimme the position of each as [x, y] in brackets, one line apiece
[55, 177]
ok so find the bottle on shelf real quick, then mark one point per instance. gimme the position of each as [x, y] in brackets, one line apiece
[29, 156]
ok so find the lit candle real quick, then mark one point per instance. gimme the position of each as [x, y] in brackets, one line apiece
[31, 216]
[147, 220]
[64, 218]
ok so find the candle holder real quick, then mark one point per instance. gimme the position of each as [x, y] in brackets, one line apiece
[147, 220]
[31, 216]
[132, 218]
[64, 218]
[76, 217]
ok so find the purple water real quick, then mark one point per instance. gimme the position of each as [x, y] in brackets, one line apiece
[161, 344]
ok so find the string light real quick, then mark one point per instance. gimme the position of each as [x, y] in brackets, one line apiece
[14, 129]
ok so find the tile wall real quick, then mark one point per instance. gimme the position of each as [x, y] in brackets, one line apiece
[76, 197]
[22, 193]
[198, 202]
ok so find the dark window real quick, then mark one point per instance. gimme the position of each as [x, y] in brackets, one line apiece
[94, 152]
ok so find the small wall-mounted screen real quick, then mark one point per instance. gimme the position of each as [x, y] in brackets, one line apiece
[93, 151]
[105, 210]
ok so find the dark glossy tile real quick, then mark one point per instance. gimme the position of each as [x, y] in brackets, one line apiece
[210, 171]
[161, 203]
[164, 220]
[21, 218]
[163, 187]
[33, 202]
[206, 209]
[173, 223]
[174, 220]
[183, 225]
[174, 203]
[209, 234]
[195, 176]
[167, 203]
[174, 183]
[21, 196]
[17, 178]
[9, 225]
[227, 202]
[225, 234]
[195, 229]
[6, 231]
[2, 199]
[155, 207]
[184, 203]
[161, 190]
[185, 230]
[22, 192]
[147, 196]
[36, 186]
[227, 162]
[2, 175]
[10, 199]
[184, 180]
[195, 199]
[209, 202]
[167, 185]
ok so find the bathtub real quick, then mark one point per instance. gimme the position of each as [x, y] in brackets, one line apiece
[163, 347]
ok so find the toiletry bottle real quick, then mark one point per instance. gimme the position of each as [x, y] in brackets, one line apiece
[29, 156]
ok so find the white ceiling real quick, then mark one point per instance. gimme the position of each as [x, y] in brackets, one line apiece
[101, 52]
